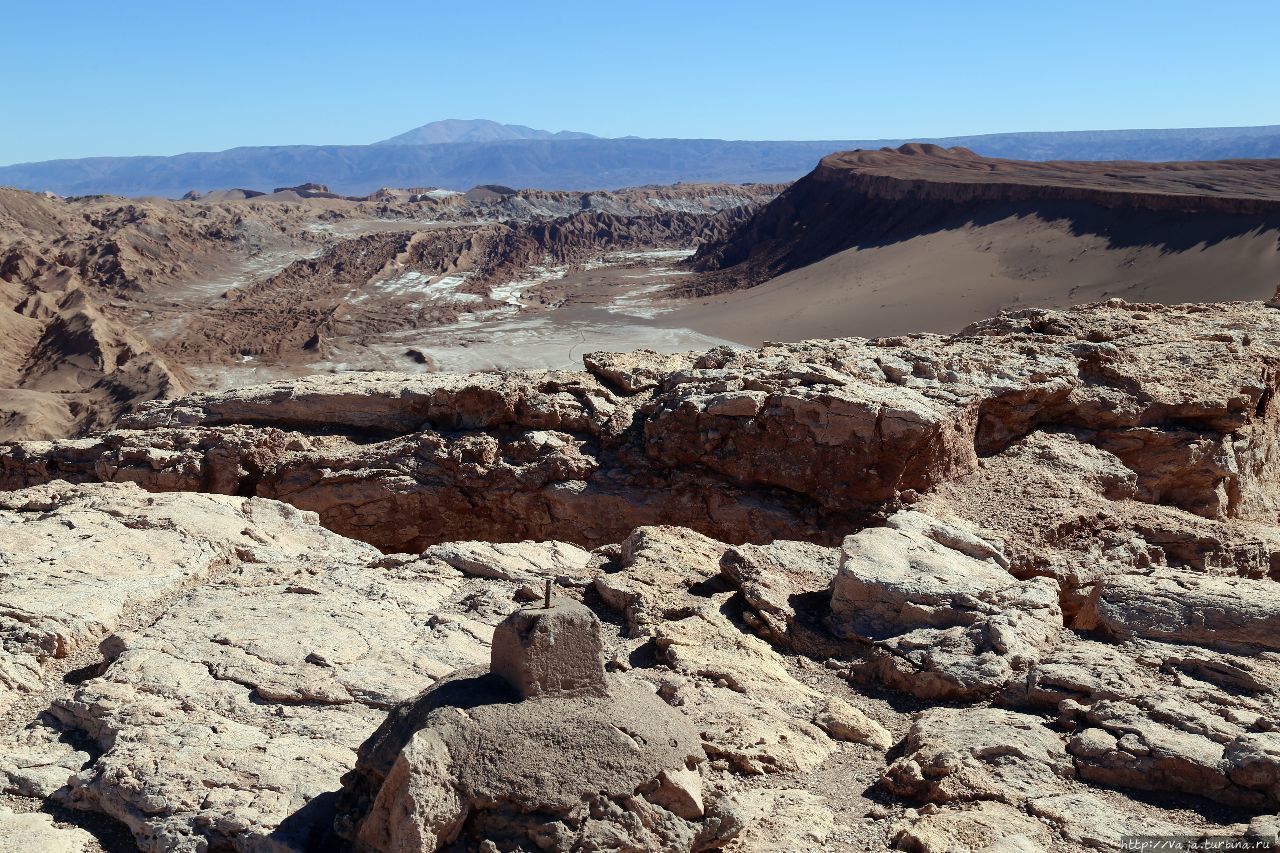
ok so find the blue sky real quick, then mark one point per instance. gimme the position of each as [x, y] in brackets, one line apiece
[96, 78]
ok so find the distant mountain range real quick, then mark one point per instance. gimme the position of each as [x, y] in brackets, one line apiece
[457, 154]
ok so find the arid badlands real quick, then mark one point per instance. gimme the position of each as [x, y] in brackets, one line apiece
[928, 503]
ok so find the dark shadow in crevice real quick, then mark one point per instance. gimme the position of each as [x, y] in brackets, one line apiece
[311, 827]
[113, 835]
[84, 673]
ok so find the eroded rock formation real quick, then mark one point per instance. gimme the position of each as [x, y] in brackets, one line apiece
[1009, 587]
[798, 441]
[106, 302]
[867, 198]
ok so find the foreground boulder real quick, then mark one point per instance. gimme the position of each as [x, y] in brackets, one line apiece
[545, 751]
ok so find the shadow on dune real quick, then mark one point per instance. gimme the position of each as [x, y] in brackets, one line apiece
[807, 224]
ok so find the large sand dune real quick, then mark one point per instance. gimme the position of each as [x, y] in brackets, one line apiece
[923, 239]
[945, 279]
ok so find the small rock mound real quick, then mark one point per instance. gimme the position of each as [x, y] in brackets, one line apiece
[546, 751]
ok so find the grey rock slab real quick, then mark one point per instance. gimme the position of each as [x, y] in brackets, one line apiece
[963, 754]
[1186, 607]
[75, 559]
[1174, 745]
[941, 622]
[37, 833]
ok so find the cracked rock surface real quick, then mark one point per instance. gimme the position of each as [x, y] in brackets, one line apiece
[1012, 589]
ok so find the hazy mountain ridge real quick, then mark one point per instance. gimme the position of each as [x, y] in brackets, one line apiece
[582, 164]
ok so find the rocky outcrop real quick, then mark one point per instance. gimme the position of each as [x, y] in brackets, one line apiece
[944, 616]
[979, 754]
[844, 722]
[106, 302]
[669, 587]
[999, 775]
[951, 584]
[1173, 746]
[61, 595]
[218, 705]
[1186, 607]
[278, 644]
[791, 441]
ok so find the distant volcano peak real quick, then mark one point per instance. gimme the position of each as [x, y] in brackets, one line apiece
[476, 130]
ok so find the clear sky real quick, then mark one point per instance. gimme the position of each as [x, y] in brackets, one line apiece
[125, 77]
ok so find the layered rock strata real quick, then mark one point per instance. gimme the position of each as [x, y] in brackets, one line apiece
[863, 199]
[799, 441]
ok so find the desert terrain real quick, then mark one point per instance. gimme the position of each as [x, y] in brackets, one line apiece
[930, 503]
[108, 302]
[1012, 586]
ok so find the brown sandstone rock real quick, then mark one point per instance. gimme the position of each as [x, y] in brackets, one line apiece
[784, 585]
[634, 371]
[754, 737]
[708, 645]
[657, 568]
[518, 562]
[1085, 819]
[227, 714]
[567, 769]
[550, 651]
[789, 441]
[750, 711]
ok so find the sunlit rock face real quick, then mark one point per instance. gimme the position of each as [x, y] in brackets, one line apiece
[1013, 582]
